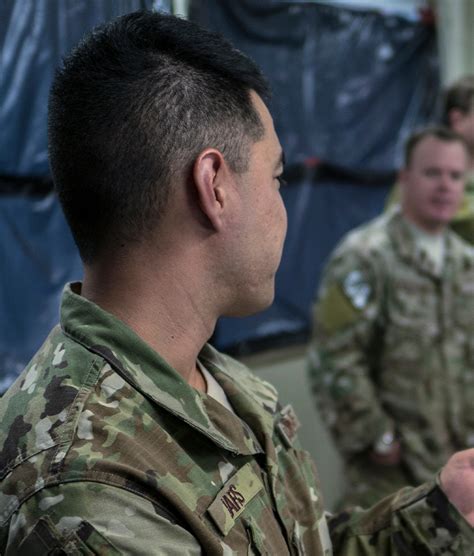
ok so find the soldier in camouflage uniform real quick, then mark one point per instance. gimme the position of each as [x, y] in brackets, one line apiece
[127, 433]
[392, 362]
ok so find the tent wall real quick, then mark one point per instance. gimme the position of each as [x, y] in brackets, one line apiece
[456, 38]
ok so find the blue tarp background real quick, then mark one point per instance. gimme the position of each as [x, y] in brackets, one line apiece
[37, 253]
[348, 87]
[38, 256]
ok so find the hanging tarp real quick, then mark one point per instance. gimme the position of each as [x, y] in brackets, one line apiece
[37, 257]
[34, 36]
[409, 9]
[37, 254]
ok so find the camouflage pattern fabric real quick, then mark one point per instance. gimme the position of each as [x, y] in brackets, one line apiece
[463, 222]
[393, 350]
[106, 450]
[369, 482]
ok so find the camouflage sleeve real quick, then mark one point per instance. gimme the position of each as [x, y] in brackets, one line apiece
[463, 222]
[94, 518]
[343, 352]
[410, 522]
[393, 197]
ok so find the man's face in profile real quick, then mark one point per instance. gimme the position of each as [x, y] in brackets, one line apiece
[262, 220]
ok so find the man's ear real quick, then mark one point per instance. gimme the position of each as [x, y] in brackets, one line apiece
[210, 176]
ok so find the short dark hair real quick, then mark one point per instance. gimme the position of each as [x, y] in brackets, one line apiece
[459, 95]
[132, 106]
[439, 132]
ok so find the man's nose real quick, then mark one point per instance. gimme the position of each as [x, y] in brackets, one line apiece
[446, 182]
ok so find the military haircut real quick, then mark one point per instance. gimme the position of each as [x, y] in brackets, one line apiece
[460, 96]
[131, 108]
[438, 132]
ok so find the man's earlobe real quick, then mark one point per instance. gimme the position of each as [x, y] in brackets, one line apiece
[209, 175]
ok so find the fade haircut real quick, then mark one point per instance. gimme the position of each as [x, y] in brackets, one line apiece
[460, 95]
[129, 111]
[438, 132]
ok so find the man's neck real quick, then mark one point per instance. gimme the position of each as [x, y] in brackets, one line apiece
[430, 229]
[165, 310]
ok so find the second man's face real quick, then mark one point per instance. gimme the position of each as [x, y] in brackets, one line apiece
[433, 184]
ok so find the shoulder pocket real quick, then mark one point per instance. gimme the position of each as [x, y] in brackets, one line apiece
[45, 540]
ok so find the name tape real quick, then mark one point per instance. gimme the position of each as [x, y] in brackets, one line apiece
[234, 497]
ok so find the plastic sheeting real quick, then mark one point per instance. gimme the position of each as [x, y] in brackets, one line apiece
[34, 36]
[37, 257]
[409, 9]
[349, 86]
[37, 254]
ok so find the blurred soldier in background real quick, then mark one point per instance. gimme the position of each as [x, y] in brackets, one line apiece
[392, 362]
[458, 115]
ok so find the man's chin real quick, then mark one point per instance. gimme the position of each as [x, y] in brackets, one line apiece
[250, 307]
[437, 219]
[444, 215]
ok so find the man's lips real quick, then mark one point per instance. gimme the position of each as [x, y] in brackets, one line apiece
[442, 202]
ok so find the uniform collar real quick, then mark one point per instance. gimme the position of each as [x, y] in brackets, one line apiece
[255, 400]
[132, 358]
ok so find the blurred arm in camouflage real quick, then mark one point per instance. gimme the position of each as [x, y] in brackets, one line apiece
[391, 526]
[342, 360]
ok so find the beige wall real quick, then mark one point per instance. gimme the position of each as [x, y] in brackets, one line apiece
[456, 38]
[286, 370]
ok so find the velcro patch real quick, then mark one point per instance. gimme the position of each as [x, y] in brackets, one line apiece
[234, 497]
[343, 303]
[335, 311]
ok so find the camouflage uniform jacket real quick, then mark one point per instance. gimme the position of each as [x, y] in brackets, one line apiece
[105, 449]
[393, 346]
